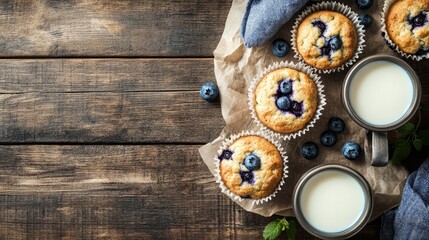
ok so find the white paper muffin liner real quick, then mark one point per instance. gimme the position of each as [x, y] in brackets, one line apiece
[389, 41]
[225, 146]
[320, 104]
[336, 7]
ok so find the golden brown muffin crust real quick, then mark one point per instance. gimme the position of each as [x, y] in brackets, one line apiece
[304, 91]
[400, 30]
[266, 179]
[310, 39]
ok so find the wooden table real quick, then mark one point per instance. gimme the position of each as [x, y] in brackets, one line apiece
[101, 121]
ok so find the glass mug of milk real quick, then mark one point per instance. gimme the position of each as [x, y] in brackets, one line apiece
[381, 93]
[332, 201]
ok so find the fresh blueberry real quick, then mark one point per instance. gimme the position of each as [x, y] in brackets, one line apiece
[280, 48]
[328, 138]
[364, 4]
[351, 150]
[336, 125]
[252, 162]
[283, 103]
[320, 25]
[209, 91]
[285, 86]
[309, 150]
[246, 176]
[335, 43]
[226, 154]
[365, 19]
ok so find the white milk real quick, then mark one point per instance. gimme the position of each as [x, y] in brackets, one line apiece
[381, 92]
[332, 201]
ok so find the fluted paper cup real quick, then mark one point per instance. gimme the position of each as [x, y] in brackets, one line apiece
[320, 103]
[226, 144]
[389, 41]
[335, 7]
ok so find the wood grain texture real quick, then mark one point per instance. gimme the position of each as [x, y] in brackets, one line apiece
[106, 101]
[119, 192]
[111, 28]
[132, 117]
[104, 75]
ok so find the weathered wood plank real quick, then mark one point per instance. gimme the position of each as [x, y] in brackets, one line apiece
[132, 117]
[111, 28]
[103, 75]
[119, 192]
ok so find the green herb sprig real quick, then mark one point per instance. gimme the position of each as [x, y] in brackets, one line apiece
[410, 136]
[273, 230]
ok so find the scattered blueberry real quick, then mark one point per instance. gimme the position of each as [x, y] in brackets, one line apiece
[280, 48]
[285, 86]
[309, 150]
[209, 91]
[328, 138]
[365, 19]
[226, 154]
[336, 125]
[335, 43]
[351, 150]
[283, 103]
[320, 25]
[246, 176]
[364, 4]
[252, 162]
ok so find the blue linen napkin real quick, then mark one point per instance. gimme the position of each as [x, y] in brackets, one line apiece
[263, 18]
[411, 219]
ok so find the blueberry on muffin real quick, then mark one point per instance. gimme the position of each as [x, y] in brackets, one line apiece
[285, 100]
[251, 167]
[326, 39]
[407, 24]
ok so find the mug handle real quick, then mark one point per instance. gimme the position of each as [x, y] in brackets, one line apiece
[380, 149]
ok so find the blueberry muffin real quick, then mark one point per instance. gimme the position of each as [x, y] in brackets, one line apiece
[285, 100]
[326, 39]
[251, 167]
[407, 24]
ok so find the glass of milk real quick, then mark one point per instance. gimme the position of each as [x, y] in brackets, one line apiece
[332, 202]
[381, 93]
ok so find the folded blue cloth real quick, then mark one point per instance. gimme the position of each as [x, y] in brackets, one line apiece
[263, 18]
[411, 219]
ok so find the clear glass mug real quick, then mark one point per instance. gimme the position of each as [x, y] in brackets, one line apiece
[380, 154]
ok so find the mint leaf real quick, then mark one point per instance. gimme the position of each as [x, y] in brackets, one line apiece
[401, 152]
[406, 129]
[291, 231]
[273, 230]
[424, 136]
[417, 143]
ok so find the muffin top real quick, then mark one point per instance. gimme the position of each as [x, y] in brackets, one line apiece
[407, 24]
[326, 39]
[285, 100]
[251, 167]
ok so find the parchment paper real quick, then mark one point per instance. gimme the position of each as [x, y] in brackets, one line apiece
[236, 66]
